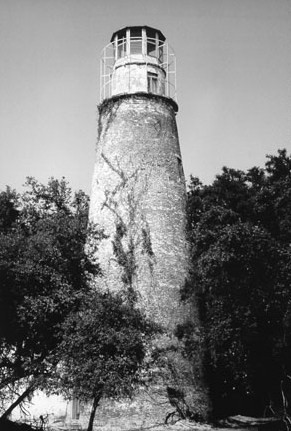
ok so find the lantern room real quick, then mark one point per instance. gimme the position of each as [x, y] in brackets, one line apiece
[138, 59]
[139, 41]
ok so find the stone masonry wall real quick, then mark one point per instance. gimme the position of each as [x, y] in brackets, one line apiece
[138, 197]
[139, 183]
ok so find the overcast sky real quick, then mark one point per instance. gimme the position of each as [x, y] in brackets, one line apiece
[233, 82]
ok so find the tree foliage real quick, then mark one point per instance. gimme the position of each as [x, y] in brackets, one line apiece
[103, 346]
[240, 230]
[43, 272]
[57, 331]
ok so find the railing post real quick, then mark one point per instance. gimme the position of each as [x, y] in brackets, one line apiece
[167, 60]
[101, 79]
[175, 79]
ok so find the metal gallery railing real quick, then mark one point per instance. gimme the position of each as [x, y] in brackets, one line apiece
[137, 51]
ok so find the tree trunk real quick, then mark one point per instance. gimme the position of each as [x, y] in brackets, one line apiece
[18, 401]
[93, 410]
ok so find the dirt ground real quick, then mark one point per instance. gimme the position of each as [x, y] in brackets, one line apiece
[182, 425]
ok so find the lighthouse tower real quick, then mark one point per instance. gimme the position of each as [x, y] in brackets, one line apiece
[138, 189]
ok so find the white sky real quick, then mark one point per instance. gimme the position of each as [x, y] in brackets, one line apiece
[233, 79]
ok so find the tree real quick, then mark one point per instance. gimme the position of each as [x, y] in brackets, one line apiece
[44, 271]
[8, 209]
[102, 350]
[240, 232]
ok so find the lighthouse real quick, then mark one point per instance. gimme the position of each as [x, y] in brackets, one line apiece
[138, 193]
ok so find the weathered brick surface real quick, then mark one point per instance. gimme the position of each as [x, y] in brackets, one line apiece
[139, 181]
[138, 184]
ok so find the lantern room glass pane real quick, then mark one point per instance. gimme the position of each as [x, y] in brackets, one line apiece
[135, 32]
[121, 45]
[121, 48]
[135, 41]
[151, 47]
[151, 42]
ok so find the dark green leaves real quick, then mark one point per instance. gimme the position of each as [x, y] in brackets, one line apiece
[240, 232]
[43, 274]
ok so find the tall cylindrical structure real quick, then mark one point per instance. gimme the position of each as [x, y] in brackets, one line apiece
[138, 198]
[138, 190]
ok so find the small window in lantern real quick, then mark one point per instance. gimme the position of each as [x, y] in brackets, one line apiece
[152, 82]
